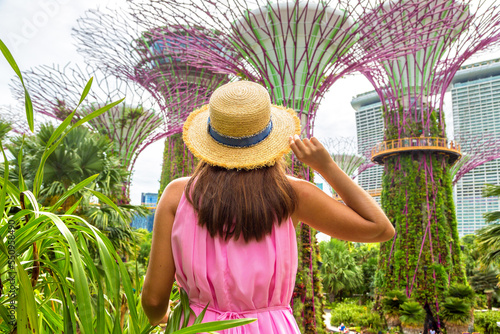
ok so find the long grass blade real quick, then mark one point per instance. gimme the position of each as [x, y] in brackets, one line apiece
[3, 194]
[86, 90]
[96, 113]
[22, 184]
[71, 191]
[107, 201]
[27, 98]
[27, 318]
[215, 326]
[81, 285]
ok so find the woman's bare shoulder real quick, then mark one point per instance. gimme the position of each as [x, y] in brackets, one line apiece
[172, 193]
[300, 185]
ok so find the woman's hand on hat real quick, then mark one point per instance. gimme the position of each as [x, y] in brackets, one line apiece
[311, 152]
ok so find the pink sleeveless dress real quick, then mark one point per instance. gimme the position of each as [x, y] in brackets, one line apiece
[237, 279]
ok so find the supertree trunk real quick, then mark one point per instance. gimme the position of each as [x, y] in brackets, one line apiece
[423, 259]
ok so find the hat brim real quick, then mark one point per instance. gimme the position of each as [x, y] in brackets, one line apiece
[265, 153]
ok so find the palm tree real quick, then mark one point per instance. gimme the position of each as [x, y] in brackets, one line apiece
[339, 270]
[488, 238]
[80, 155]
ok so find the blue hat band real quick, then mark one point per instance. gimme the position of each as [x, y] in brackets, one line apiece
[240, 141]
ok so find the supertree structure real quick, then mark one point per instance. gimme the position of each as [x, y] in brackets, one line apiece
[296, 49]
[16, 118]
[152, 57]
[132, 126]
[343, 152]
[476, 151]
[423, 259]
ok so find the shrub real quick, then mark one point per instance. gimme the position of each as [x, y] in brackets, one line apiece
[461, 291]
[480, 302]
[486, 322]
[411, 313]
[392, 301]
[455, 311]
[346, 313]
[356, 316]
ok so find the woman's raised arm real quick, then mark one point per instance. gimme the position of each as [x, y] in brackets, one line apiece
[360, 220]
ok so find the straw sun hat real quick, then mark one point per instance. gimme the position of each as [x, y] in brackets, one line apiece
[240, 128]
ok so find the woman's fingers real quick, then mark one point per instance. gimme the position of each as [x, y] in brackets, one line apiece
[297, 145]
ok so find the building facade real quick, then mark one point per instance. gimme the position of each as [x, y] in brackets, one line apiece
[149, 200]
[476, 111]
[475, 94]
[369, 132]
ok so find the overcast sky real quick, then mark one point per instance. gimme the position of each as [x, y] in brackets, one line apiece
[38, 32]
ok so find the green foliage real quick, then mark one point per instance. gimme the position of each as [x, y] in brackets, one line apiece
[392, 301]
[488, 238]
[177, 161]
[5, 127]
[486, 322]
[144, 248]
[411, 313]
[456, 311]
[339, 272]
[470, 254]
[356, 315]
[308, 303]
[461, 291]
[80, 154]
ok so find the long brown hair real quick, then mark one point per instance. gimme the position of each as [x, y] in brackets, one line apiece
[232, 202]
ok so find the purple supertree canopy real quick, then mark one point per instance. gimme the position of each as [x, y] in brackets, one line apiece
[115, 42]
[297, 49]
[476, 150]
[132, 125]
[416, 83]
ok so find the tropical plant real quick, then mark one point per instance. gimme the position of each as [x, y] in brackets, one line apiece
[339, 270]
[366, 256]
[484, 279]
[411, 313]
[456, 311]
[461, 291]
[470, 254]
[80, 154]
[392, 301]
[488, 238]
[53, 285]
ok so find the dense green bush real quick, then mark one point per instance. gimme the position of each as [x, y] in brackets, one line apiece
[356, 316]
[461, 291]
[456, 311]
[486, 322]
[392, 302]
[412, 313]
